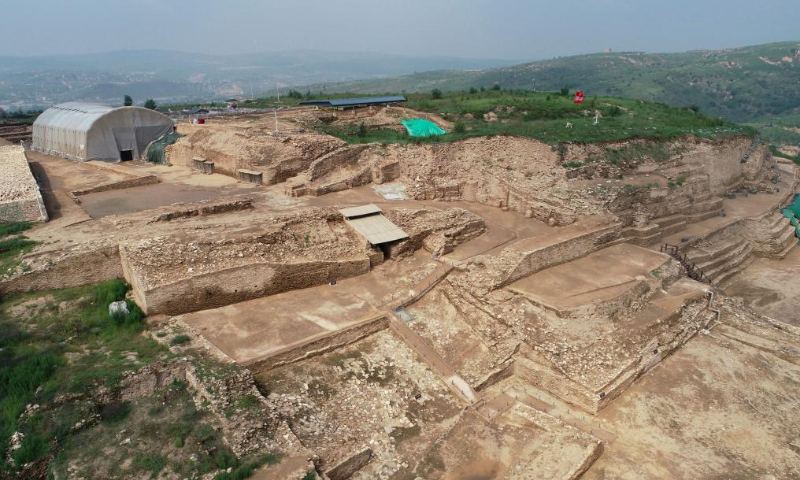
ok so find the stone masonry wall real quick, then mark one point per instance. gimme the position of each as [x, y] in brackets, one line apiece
[238, 284]
[66, 269]
[20, 199]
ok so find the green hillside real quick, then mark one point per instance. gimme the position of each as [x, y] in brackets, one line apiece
[757, 85]
[545, 116]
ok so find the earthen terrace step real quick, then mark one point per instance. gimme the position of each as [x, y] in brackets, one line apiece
[727, 278]
[720, 273]
[703, 255]
[723, 257]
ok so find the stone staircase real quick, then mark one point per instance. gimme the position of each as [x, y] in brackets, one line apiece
[675, 210]
[782, 235]
[668, 225]
[721, 261]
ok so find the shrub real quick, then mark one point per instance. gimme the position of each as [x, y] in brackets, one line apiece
[246, 470]
[472, 91]
[151, 463]
[436, 94]
[128, 101]
[32, 448]
[564, 92]
[178, 442]
[180, 340]
[114, 413]
[496, 87]
[572, 164]
[459, 127]
[151, 104]
[362, 130]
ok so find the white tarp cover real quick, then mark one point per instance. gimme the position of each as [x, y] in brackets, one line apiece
[85, 131]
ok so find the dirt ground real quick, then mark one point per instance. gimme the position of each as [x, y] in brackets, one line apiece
[254, 329]
[148, 197]
[597, 277]
[716, 409]
[772, 287]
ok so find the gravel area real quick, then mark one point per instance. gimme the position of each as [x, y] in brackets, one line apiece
[16, 180]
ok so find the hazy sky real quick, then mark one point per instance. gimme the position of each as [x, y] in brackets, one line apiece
[513, 29]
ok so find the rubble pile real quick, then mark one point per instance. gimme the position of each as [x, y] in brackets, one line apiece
[17, 181]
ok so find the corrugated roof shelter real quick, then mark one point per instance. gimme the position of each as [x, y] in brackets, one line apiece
[85, 131]
[354, 102]
[369, 222]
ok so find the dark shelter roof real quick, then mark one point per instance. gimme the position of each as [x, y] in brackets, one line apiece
[354, 102]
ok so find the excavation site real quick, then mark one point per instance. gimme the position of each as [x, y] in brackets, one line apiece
[317, 292]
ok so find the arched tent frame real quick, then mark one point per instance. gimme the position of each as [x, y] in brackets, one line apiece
[82, 131]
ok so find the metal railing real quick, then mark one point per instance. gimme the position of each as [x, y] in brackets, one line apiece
[692, 271]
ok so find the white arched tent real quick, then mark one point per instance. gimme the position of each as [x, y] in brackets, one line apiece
[84, 131]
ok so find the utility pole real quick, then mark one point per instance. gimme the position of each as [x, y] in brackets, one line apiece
[279, 93]
[276, 120]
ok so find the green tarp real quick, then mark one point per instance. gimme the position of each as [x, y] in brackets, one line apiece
[792, 212]
[155, 152]
[419, 127]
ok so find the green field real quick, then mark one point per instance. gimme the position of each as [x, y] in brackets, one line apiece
[59, 350]
[756, 85]
[544, 116]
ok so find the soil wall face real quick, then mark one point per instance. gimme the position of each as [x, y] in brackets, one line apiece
[245, 145]
[239, 284]
[579, 246]
[74, 270]
[723, 162]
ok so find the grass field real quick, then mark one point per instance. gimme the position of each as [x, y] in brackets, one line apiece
[59, 350]
[544, 116]
[37, 340]
[13, 245]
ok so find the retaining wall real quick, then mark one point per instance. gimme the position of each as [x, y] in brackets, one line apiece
[122, 184]
[541, 257]
[67, 271]
[234, 285]
[319, 345]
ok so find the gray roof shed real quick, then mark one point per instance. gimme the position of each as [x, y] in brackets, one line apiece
[85, 131]
[369, 222]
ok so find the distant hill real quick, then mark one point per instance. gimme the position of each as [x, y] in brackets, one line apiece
[759, 85]
[169, 75]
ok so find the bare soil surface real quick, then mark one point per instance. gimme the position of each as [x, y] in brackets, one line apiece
[251, 330]
[148, 197]
[772, 287]
[717, 408]
[597, 277]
